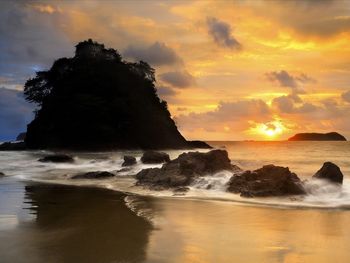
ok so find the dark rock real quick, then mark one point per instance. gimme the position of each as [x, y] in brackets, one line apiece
[98, 101]
[2, 174]
[155, 157]
[21, 136]
[93, 175]
[330, 172]
[123, 170]
[182, 170]
[332, 136]
[57, 158]
[13, 146]
[129, 160]
[199, 145]
[270, 180]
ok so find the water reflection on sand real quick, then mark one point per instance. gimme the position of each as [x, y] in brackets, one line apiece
[74, 224]
[79, 224]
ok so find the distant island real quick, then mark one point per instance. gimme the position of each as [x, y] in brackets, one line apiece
[97, 100]
[332, 136]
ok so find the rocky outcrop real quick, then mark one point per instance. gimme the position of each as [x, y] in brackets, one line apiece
[199, 145]
[182, 170]
[152, 157]
[57, 158]
[98, 101]
[21, 136]
[13, 146]
[270, 180]
[93, 175]
[129, 160]
[331, 172]
[332, 136]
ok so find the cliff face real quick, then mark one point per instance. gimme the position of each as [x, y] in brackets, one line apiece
[332, 136]
[95, 100]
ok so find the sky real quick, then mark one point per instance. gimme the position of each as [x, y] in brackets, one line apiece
[229, 70]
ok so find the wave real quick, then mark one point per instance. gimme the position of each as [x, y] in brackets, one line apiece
[24, 166]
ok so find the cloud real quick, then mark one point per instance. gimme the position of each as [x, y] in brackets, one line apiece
[30, 40]
[178, 79]
[346, 96]
[285, 79]
[15, 113]
[292, 104]
[157, 54]
[221, 33]
[165, 91]
[232, 115]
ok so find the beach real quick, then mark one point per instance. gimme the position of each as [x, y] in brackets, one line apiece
[47, 217]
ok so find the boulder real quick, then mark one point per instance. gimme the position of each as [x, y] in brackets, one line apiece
[93, 175]
[330, 172]
[129, 160]
[270, 180]
[151, 157]
[2, 174]
[57, 158]
[13, 146]
[182, 170]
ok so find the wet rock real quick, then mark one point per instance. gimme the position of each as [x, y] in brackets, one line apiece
[123, 170]
[57, 158]
[2, 174]
[199, 145]
[270, 180]
[330, 172]
[152, 157]
[13, 146]
[183, 170]
[93, 175]
[129, 160]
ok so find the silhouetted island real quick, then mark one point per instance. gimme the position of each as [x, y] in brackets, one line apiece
[332, 136]
[97, 100]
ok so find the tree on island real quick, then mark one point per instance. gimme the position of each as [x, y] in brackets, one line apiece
[96, 100]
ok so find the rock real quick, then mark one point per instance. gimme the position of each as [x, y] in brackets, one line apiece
[332, 136]
[129, 160]
[199, 145]
[99, 101]
[155, 157]
[13, 146]
[182, 170]
[21, 136]
[2, 174]
[57, 158]
[93, 175]
[330, 172]
[270, 180]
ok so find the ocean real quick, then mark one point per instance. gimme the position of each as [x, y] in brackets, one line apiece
[47, 217]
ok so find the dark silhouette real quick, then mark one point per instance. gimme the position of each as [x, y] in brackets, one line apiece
[332, 136]
[21, 136]
[96, 100]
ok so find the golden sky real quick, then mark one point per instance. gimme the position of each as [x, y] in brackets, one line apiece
[230, 70]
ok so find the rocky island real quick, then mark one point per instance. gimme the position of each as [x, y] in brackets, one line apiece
[98, 101]
[331, 136]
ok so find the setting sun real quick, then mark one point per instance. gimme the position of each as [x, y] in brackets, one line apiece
[269, 130]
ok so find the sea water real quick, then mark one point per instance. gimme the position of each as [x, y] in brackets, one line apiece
[302, 158]
[45, 216]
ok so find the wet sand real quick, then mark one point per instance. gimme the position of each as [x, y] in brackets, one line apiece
[51, 223]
